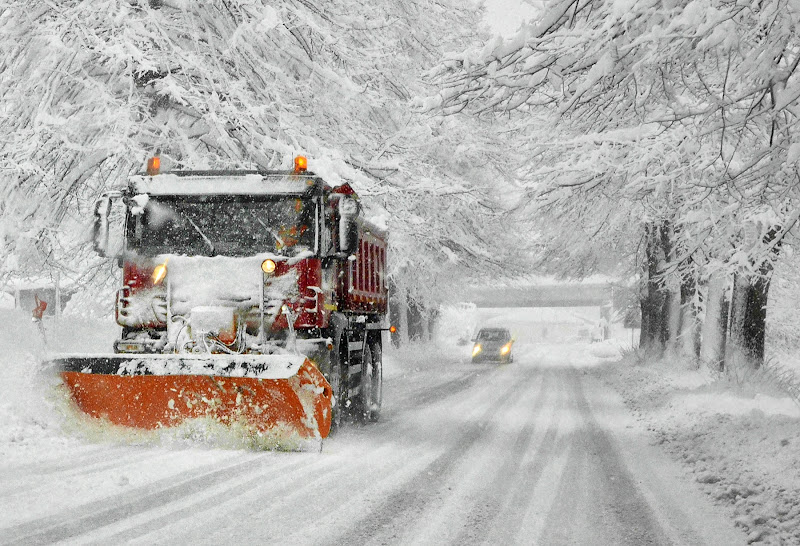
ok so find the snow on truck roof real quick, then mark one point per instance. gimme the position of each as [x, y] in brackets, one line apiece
[215, 183]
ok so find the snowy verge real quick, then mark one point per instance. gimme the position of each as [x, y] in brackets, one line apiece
[579, 355]
[738, 440]
[28, 419]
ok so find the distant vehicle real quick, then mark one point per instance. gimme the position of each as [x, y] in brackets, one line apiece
[493, 344]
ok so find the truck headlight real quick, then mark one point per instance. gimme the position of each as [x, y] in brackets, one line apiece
[159, 272]
[268, 266]
[476, 349]
[505, 349]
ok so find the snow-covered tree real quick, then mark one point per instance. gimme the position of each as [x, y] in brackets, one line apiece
[89, 90]
[676, 116]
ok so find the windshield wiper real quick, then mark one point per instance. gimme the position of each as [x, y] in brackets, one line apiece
[203, 235]
[271, 232]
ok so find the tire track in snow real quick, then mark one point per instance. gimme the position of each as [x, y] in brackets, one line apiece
[415, 495]
[105, 511]
[95, 454]
[243, 496]
[508, 491]
[31, 492]
[276, 482]
[528, 508]
[75, 468]
[462, 502]
[598, 500]
[371, 461]
[526, 511]
[31, 496]
[428, 395]
[275, 505]
[287, 497]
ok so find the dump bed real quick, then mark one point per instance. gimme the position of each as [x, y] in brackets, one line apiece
[365, 285]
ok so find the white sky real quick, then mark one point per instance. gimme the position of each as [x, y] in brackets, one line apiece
[505, 16]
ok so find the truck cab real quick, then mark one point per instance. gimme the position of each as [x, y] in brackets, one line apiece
[248, 262]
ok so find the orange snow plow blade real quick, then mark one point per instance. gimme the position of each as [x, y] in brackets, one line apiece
[153, 391]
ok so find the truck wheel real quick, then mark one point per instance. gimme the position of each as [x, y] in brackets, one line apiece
[371, 392]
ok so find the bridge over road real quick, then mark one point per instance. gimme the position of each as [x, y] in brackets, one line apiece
[554, 295]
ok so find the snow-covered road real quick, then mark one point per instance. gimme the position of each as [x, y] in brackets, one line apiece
[535, 452]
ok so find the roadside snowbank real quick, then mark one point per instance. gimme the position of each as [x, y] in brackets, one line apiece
[27, 417]
[740, 444]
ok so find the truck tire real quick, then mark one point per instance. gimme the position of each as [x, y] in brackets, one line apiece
[371, 391]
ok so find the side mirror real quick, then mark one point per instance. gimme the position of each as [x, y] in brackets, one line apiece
[108, 239]
[348, 225]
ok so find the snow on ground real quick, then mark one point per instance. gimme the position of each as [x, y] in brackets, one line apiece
[739, 437]
[36, 420]
[25, 419]
[738, 441]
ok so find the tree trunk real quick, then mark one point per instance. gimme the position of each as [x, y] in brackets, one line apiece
[689, 336]
[672, 287]
[672, 321]
[398, 313]
[416, 322]
[433, 322]
[651, 337]
[748, 320]
[712, 348]
[748, 312]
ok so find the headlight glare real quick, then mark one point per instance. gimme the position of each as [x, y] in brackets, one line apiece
[268, 266]
[159, 273]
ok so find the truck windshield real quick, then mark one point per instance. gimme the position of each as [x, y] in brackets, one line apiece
[222, 225]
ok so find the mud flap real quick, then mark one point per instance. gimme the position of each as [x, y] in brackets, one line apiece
[147, 392]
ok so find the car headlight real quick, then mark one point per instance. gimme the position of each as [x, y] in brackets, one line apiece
[476, 349]
[504, 350]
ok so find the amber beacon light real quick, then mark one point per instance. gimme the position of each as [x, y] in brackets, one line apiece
[153, 165]
[300, 164]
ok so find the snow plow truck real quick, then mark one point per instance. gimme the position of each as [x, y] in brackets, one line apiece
[251, 297]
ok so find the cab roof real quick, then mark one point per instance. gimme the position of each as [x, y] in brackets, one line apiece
[225, 183]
